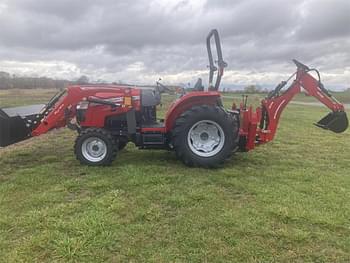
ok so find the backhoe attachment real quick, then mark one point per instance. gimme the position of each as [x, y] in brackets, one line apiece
[335, 121]
[260, 126]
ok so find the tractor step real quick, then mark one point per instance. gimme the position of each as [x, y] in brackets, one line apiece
[153, 138]
[16, 123]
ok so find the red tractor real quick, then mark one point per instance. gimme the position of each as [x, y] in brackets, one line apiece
[197, 127]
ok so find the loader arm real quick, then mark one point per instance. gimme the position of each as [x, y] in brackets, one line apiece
[20, 123]
[55, 114]
[260, 127]
[60, 111]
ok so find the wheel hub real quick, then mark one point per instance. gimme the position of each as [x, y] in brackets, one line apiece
[206, 138]
[94, 149]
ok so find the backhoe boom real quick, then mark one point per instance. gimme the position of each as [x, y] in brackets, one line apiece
[260, 126]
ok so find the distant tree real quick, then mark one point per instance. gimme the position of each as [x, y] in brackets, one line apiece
[5, 80]
[5, 75]
[82, 80]
[8, 81]
[266, 90]
[252, 89]
[101, 81]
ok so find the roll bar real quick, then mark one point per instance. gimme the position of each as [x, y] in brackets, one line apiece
[220, 62]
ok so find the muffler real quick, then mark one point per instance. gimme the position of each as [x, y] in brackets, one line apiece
[334, 121]
[16, 124]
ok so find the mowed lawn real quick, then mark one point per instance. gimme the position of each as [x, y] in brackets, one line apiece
[288, 200]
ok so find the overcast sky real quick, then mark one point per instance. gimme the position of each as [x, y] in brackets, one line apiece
[141, 40]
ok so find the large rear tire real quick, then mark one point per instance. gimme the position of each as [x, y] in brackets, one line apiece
[95, 147]
[205, 136]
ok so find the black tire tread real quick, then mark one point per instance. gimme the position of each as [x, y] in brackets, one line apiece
[182, 152]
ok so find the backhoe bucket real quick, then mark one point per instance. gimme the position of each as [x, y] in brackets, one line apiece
[16, 123]
[334, 121]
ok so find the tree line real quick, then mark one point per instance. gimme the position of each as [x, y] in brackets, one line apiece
[8, 81]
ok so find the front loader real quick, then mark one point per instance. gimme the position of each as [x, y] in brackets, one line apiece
[197, 126]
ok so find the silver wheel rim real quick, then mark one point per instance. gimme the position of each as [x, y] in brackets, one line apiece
[206, 138]
[94, 149]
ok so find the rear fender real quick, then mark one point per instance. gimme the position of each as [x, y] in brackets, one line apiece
[188, 101]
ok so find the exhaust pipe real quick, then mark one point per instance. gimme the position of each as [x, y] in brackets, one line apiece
[16, 124]
[335, 121]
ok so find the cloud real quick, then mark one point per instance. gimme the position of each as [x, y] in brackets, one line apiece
[142, 40]
[324, 19]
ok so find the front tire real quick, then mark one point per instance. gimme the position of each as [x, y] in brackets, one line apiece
[95, 147]
[205, 136]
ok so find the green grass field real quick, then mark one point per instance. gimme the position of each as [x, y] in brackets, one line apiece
[342, 96]
[288, 200]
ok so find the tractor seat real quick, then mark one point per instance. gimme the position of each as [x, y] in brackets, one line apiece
[198, 86]
[150, 97]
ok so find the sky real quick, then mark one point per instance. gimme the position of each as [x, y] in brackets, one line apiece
[140, 41]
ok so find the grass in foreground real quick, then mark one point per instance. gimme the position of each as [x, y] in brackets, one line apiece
[285, 201]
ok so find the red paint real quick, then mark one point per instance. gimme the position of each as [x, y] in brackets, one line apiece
[188, 101]
[154, 129]
[250, 120]
[95, 116]
[252, 129]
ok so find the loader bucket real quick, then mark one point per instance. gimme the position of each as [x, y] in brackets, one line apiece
[15, 123]
[334, 121]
